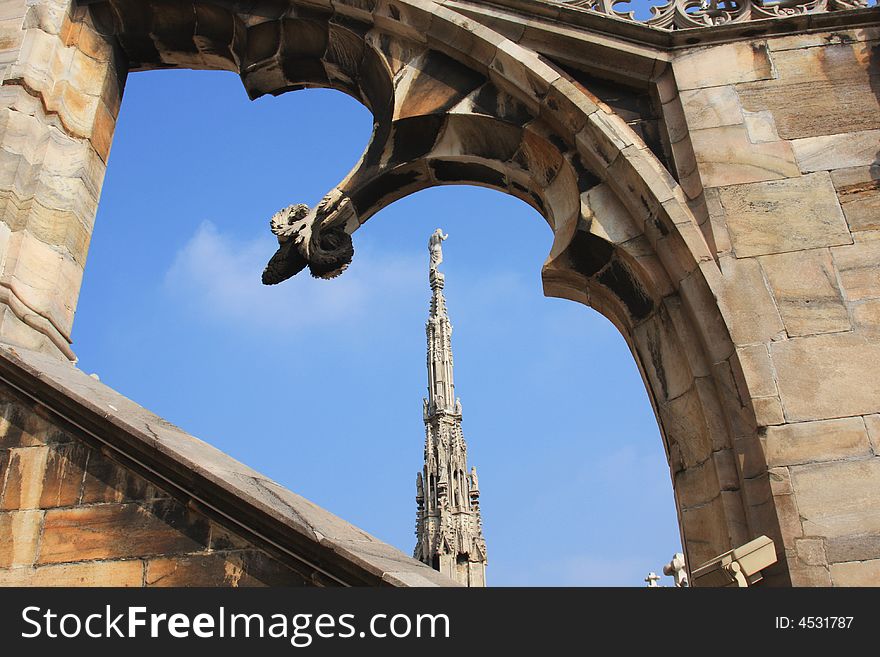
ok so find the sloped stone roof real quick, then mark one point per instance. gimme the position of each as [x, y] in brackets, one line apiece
[333, 550]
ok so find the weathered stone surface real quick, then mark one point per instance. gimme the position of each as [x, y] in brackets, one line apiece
[755, 363]
[24, 478]
[804, 284]
[760, 127]
[747, 304]
[839, 499]
[861, 547]
[811, 551]
[837, 151]
[727, 64]
[827, 376]
[866, 315]
[19, 537]
[237, 569]
[768, 411]
[858, 189]
[97, 573]
[817, 91]
[856, 573]
[711, 108]
[726, 156]
[872, 423]
[705, 531]
[812, 442]
[858, 266]
[63, 479]
[785, 215]
[121, 530]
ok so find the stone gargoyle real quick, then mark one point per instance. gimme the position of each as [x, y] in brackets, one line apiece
[314, 238]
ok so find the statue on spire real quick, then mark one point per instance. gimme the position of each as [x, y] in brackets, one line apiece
[435, 247]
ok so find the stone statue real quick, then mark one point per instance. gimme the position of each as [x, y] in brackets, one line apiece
[315, 238]
[677, 570]
[475, 483]
[435, 247]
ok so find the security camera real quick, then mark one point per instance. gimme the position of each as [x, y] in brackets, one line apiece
[740, 567]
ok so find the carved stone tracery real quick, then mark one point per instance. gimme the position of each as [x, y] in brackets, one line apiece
[687, 14]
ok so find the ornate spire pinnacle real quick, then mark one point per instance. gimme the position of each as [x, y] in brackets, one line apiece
[449, 527]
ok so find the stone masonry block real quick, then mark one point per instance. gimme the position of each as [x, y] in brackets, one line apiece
[827, 376]
[804, 284]
[784, 215]
[812, 442]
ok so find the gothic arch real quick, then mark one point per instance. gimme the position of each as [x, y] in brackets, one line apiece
[457, 103]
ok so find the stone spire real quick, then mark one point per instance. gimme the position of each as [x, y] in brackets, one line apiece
[449, 528]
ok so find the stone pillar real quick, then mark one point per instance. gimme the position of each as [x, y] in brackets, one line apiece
[61, 89]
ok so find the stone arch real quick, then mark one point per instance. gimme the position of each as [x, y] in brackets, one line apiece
[625, 241]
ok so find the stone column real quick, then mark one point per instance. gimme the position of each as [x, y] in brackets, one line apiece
[61, 89]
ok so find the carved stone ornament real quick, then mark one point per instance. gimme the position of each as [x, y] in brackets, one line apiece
[684, 14]
[317, 239]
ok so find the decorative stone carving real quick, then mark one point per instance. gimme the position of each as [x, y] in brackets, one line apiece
[315, 238]
[686, 14]
[677, 570]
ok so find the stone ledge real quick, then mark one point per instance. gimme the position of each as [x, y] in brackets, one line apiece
[228, 491]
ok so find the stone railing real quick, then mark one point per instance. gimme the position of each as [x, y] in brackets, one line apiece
[684, 14]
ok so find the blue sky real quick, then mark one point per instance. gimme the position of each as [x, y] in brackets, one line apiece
[318, 384]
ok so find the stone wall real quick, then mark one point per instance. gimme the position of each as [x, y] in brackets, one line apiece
[786, 136]
[71, 516]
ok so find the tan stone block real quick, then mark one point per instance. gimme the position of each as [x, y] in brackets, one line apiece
[859, 547]
[834, 81]
[761, 127]
[121, 531]
[101, 573]
[607, 216]
[686, 429]
[827, 376]
[705, 532]
[24, 479]
[780, 481]
[856, 573]
[746, 302]
[866, 315]
[850, 149]
[789, 517]
[696, 485]
[711, 108]
[811, 551]
[19, 537]
[858, 189]
[662, 357]
[872, 423]
[238, 569]
[768, 411]
[718, 65]
[726, 156]
[63, 476]
[840, 498]
[785, 215]
[858, 266]
[803, 575]
[755, 363]
[804, 285]
[813, 442]
[107, 481]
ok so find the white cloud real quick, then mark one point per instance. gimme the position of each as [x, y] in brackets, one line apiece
[219, 275]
